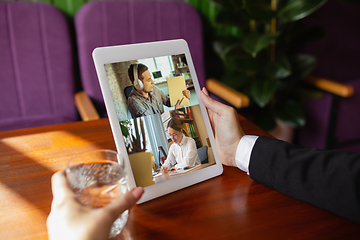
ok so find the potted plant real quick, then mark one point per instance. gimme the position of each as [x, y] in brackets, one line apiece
[135, 142]
[134, 137]
[257, 42]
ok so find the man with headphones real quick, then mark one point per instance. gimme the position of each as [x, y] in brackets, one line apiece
[145, 98]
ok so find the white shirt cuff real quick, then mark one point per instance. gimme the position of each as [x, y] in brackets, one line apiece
[243, 152]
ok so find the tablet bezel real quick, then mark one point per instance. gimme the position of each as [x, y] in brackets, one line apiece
[121, 53]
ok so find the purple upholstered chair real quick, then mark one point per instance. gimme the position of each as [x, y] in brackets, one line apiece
[334, 122]
[36, 66]
[106, 23]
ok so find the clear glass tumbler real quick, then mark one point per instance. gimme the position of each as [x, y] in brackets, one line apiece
[98, 177]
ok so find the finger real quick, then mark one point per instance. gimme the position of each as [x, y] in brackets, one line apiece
[179, 107]
[137, 193]
[213, 111]
[124, 202]
[187, 94]
[211, 104]
[59, 185]
[205, 91]
[210, 113]
[60, 188]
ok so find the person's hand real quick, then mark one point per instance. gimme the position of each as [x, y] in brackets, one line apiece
[163, 169]
[178, 104]
[186, 92]
[68, 219]
[226, 127]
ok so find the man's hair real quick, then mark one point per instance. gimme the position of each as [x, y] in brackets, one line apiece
[141, 68]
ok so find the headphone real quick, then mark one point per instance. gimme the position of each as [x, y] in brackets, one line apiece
[137, 82]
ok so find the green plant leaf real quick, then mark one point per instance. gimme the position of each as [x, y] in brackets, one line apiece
[254, 43]
[224, 44]
[294, 10]
[234, 79]
[278, 71]
[124, 128]
[241, 63]
[302, 65]
[291, 112]
[262, 91]
[280, 68]
[238, 59]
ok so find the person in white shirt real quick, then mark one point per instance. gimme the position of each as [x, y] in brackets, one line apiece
[328, 179]
[183, 152]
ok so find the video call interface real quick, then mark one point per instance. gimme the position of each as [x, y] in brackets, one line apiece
[151, 115]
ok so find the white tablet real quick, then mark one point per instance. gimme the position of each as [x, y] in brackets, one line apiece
[152, 97]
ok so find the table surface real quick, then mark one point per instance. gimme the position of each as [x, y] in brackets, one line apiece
[230, 206]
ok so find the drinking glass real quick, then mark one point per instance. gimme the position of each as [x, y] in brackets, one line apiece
[98, 177]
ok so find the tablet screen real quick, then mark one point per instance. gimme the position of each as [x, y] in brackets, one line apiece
[160, 118]
[152, 97]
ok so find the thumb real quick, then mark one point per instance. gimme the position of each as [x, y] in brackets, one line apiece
[60, 189]
[210, 103]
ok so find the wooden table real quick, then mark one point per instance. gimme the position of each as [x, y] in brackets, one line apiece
[231, 206]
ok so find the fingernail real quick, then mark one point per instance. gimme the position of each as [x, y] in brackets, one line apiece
[204, 90]
[137, 192]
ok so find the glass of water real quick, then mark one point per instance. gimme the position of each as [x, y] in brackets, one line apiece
[98, 177]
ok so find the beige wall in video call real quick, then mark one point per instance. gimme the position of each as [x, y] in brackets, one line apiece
[198, 118]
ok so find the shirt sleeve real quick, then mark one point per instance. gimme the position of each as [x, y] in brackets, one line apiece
[162, 97]
[135, 108]
[170, 160]
[243, 152]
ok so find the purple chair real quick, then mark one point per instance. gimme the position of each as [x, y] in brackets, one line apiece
[36, 66]
[333, 122]
[107, 23]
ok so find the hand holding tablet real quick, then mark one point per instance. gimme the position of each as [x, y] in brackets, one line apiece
[139, 120]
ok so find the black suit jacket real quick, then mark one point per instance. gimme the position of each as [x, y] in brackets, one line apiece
[327, 179]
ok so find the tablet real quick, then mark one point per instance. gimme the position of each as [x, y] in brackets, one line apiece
[152, 97]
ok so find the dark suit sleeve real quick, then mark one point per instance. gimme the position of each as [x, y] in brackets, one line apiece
[327, 179]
